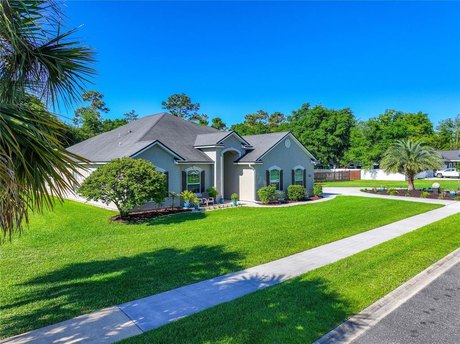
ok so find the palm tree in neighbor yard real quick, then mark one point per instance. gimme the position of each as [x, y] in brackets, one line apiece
[38, 62]
[409, 158]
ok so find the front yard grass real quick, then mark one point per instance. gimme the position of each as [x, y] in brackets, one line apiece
[73, 260]
[447, 184]
[305, 308]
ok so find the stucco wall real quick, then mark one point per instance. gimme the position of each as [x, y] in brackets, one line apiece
[286, 159]
[246, 183]
[231, 174]
[233, 142]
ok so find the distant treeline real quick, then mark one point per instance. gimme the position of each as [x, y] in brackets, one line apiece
[333, 136]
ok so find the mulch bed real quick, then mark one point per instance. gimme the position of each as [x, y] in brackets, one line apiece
[433, 194]
[142, 216]
[311, 198]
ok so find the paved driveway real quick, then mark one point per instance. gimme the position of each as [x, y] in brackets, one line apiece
[431, 316]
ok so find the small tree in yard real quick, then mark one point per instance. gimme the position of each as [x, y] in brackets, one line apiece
[409, 158]
[126, 182]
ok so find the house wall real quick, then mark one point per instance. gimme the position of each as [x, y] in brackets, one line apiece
[286, 159]
[231, 174]
[246, 176]
[233, 142]
[165, 162]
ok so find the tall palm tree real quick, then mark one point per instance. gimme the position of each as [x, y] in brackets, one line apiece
[37, 60]
[409, 158]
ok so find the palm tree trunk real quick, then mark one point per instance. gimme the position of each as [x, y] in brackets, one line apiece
[411, 184]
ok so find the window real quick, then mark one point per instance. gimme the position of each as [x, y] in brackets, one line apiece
[194, 181]
[275, 178]
[298, 177]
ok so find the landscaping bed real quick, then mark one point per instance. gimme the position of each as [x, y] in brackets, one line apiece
[145, 215]
[308, 199]
[424, 193]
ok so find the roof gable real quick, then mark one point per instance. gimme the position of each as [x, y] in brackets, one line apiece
[264, 143]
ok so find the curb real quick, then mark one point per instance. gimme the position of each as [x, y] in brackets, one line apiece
[363, 321]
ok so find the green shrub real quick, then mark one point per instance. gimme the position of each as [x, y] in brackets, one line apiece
[296, 192]
[126, 182]
[267, 194]
[392, 192]
[317, 189]
[424, 194]
[234, 197]
[280, 195]
[457, 198]
[195, 200]
[212, 192]
[188, 196]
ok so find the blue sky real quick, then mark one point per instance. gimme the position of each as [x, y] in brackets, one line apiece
[237, 57]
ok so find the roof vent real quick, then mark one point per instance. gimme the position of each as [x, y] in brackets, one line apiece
[130, 131]
[119, 143]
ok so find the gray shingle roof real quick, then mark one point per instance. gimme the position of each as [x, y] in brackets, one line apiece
[178, 135]
[450, 155]
[173, 132]
[211, 138]
[261, 144]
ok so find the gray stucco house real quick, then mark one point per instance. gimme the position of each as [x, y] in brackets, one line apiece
[197, 157]
[451, 158]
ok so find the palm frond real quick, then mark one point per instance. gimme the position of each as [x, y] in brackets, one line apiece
[35, 58]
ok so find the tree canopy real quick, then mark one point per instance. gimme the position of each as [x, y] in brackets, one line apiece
[126, 182]
[261, 122]
[448, 134]
[409, 158]
[325, 132]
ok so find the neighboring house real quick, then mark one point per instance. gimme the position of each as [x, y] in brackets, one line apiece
[451, 158]
[197, 157]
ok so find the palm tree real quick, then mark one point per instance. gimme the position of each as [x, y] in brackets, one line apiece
[409, 158]
[37, 61]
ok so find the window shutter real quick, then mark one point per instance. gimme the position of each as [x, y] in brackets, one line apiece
[281, 180]
[184, 180]
[305, 178]
[167, 182]
[202, 181]
[293, 177]
[267, 178]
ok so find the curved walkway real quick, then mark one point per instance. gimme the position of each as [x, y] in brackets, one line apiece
[132, 318]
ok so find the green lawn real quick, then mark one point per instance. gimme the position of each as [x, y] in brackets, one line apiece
[447, 184]
[305, 308]
[73, 261]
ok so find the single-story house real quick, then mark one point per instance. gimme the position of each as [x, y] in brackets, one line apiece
[196, 157]
[451, 158]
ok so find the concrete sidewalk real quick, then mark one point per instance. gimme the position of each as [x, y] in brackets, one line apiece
[115, 323]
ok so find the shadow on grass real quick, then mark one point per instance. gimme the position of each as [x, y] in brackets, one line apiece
[171, 219]
[84, 287]
[296, 311]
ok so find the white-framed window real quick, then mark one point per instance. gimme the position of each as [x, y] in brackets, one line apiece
[298, 176]
[194, 181]
[275, 177]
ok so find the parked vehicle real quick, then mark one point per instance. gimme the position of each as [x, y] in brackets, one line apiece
[448, 173]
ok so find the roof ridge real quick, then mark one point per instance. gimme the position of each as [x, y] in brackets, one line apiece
[148, 128]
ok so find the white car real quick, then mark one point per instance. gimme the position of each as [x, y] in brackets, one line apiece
[448, 173]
